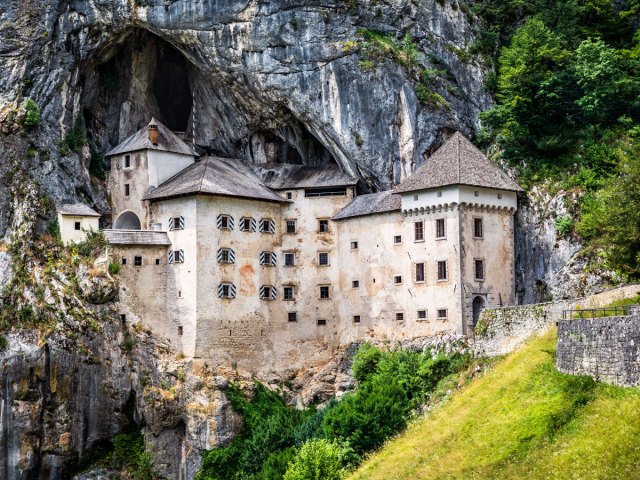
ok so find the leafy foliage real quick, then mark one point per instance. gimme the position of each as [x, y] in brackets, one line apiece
[318, 459]
[75, 138]
[32, 114]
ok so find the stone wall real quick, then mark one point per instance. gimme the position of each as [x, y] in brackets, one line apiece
[604, 348]
[501, 330]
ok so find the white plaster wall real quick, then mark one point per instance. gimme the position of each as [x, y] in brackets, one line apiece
[458, 194]
[164, 165]
[68, 231]
[138, 179]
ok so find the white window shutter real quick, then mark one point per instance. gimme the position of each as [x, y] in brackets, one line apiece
[220, 288]
[254, 225]
[219, 221]
[181, 222]
[273, 259]
[263, 258]
[272, 226]
[219, 256]
[273, 293]
[170, 256]
[170, 223]
[181, 256]
[231, 222]
[232, 256]
[232, 290]
[262, 288]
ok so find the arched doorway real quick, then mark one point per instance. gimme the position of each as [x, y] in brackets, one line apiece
[478, 306]
[127, 221]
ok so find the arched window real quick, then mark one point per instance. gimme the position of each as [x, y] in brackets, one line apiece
[127, 221]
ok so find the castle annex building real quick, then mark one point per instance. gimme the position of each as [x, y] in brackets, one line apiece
[273, 266]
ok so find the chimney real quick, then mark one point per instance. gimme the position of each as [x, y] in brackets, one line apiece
[153, 132]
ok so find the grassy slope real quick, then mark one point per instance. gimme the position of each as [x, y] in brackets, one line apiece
[522, 419]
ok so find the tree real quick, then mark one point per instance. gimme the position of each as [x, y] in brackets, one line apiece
[317, 460]
[32, 114]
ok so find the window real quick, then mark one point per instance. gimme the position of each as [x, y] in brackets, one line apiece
[439, 194]
[420, 272]
[291, 226]
[355, 284]
[477, 228]
[176, 223]
[267, 292]
[124, 260]
[440, 228]
[323, 258]
[224, 222]
[267, 226]
[397, 279]
[354, 245]
[422, 314]
[292, 316]
[179, 293]
[418, 229]
[321, 322]
[226, 255]
[476, 193]
[180, 330]
[289, 259]
[127, 161]
[442, 270]
[268, 258]
[324, 292]
[325, 192]
[499, 196]
[226, 290]
[137, 261]
[76, 225]
[399, 316]
[289, 195]
[126, 189]
[248, 224]
[442, 314]
[479, 269]
[415, 197]
[323, 226]
[356, 319]
[287, 293]
[157, 261]
[176, 256]
[397, 239]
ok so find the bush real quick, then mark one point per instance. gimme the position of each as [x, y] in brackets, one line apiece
[564, 225]
[114, 268]
[32, 114]
[317, 459]
[365, 362]
[4, 343]
[75, 138]
[93, 246]
[128, 343]
[129, 450]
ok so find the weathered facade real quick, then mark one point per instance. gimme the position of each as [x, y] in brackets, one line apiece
[274, 266]
[75, 220]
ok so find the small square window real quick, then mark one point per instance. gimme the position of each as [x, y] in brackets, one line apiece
[292, 316]
[180, 330]
[499, 196]
[323, 258]
[418, 231]
[287, 293]
[442, 314]
[397, 239]
[476, 193]
[289, 195]
[441, 231]
[321, 322]
[415, 197]
[422, 314]
[267, 292]
[137, 261]
[224, 222]
[323, 226]
[291, 226]
[355, 283]
[439, 194]
[247, 224]
[477, 228]
[157, 261]
[124, 261]
[354, 245]
[397, 279]
[442, 270]
[420, 272]
[127, 161]
[324, 292]
[126, 189]
[76, 225]
[356, 319]
[267, 226]
[399, 316]
[289, 259]
[268, 258]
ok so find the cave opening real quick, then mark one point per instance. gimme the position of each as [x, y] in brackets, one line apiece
[171, 88]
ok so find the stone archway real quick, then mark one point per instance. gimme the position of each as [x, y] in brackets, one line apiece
[478, 306]
[127, 221]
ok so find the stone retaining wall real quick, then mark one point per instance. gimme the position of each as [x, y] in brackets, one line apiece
[501, 330]
[604, 348]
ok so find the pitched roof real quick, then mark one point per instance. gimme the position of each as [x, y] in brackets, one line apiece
[167, 142]
[381, 202]
[458, 162]
[77, 210]
[287, 176]
[136, 237]
[216, 176]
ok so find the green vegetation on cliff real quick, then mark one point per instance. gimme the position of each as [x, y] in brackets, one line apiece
[522, 419]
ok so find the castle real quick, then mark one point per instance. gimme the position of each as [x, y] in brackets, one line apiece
[276, 266]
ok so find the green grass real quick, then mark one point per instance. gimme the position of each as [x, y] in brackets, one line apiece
[522, 419]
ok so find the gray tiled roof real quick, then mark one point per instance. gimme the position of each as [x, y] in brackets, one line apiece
[216, 176]
[458, 162]
[136, 237]
[167, 142]
[381, 202]
[77, 210]
[287, 176]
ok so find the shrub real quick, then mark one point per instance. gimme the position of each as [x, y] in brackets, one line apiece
[4, 343]
[317, 459]
[114, 268]
[75, 138]
[128, 343]
[93, 246]
[564, 225]
[32, 114]
[365, 362]
[129, 449]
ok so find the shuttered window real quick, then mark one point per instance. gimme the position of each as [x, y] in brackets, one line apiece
[268, 258]
[224, 222]
[248, 224]
[226, 255]
[226, 290]
[176, 256]
[267, 292]
[267, 226]
[176, 223]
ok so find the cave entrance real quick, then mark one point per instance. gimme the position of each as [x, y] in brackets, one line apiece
[171, 87]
